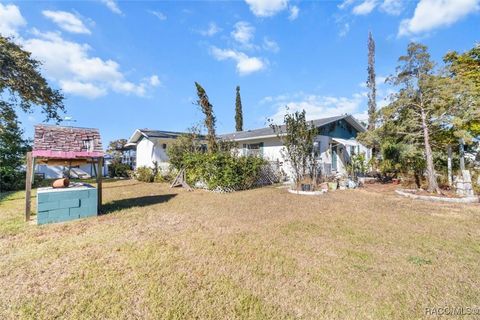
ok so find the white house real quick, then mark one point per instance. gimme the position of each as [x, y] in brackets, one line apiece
[335, 144]
[151, 146]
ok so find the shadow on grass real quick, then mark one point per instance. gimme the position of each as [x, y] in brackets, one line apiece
[121, 186]
[135, 202]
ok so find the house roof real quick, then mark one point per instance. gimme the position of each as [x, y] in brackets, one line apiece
[149, 133]
[61, 142]
[268, 132]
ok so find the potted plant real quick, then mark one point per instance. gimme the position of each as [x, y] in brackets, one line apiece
[306, 185]
[332, 183]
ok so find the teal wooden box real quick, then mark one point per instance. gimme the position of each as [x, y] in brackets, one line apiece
[65, 204]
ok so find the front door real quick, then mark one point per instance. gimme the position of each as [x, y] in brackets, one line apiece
[334, 158]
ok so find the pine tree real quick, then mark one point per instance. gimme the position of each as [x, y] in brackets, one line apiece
[372, 103]
[238, 112]
[209, 121]
[417, 108]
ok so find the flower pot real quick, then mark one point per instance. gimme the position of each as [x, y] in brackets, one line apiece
[332, 186]
[61, 183]
[306, 187]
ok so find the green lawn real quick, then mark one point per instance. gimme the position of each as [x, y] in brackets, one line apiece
[168, 253]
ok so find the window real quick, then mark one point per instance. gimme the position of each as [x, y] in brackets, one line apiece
[317, 150]
[352, 150]
[254, 149]
[88, 145]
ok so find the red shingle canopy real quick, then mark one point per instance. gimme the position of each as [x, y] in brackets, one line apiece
[58, 142]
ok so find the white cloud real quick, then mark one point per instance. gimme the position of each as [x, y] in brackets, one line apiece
[212, 30]
[66, 21]
[392, 7]
[113, 6]
[154, 81]
[365, 7]
[127, 87]
[10, 20]
[431, 14]
[345, 4]
[245, 64]
[243, 33]
[320, 106]
[160, 15]
[294, 10]
[84, 89]
[266, 8]
[270, 45]
[315, 106]
[344, 30]
[77, 72]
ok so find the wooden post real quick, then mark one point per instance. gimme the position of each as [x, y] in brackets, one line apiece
[99, 182]
[449, 165]
[462, 155]
[28, 186]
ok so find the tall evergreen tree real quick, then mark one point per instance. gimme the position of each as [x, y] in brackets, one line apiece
[372, 103]
[209, 121]
[238, 112]
[418, 109]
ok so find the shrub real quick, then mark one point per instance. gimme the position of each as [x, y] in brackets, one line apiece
[11, 179]
[118, 169]
[144, 174]
[164, 175]
[183, 145]
[223, 170]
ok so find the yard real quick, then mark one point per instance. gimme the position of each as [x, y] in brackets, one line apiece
[263, 253]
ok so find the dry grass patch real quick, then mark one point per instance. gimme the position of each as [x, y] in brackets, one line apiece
[258, 254]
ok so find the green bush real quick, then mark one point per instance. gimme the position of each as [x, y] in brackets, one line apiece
[118, 169]
[11, 179]
[163, 175]
[222, 169]
[144, 174]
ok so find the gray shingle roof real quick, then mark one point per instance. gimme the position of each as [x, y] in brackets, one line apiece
[66, 139]
[161, 134]
[251, 134]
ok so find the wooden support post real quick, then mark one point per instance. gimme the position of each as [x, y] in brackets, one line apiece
[462, 155]
[99, 182]
[28, 186]
[449, 165]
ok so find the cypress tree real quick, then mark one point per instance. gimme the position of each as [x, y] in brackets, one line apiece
[238, 112]
[372, 103]
[209, 121]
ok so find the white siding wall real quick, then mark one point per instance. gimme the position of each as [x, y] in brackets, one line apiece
[145, 153]
[272, 151]
[150, 150]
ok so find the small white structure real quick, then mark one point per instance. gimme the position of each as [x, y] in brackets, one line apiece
[151, 146]
[335, 144]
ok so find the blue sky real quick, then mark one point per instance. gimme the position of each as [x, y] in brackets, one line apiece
[124, 65]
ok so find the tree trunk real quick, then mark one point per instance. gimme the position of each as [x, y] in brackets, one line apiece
[462, 155]
[418, 181]
[449, 165]
[431, 176]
